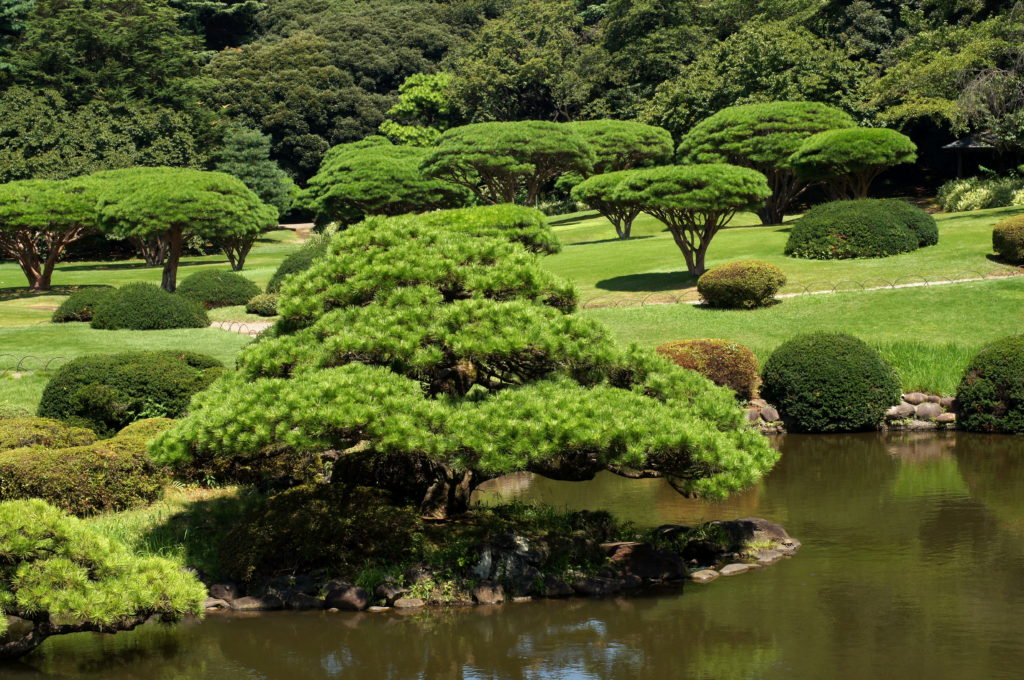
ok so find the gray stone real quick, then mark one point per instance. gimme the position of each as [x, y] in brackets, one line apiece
[377, 610]
[753, 415]
[645, 561]
[521, 599]
[928, 411]
[769, 414]
[215, 603]
[704, 576]
[914, 398]
[900, 411]
[336, 584]
[946, 418]
[595, 586]
[631, 582]
[768, 556]
[409, 603]
[352, 599]
[948, 403]
[224, 591]
[489, 593]
[555, 587]
[255, 604]
[734, 569]
[760, 403]
[303, 602]
[933, 398]
[388, 592]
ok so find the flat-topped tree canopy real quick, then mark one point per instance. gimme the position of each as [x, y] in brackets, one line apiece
[624, 144]
[850, 159]
[762, 137]
[604, 194]
[508, 162]
[172, 204]
[39, 218]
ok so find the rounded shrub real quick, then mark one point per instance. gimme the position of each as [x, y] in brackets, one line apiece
[847, 229]
[1008, 239]
[829, 382]
[991, 393]
[106, 392]
[18, 432]
[79, 306]
[264, 304]
[299, 261]
[145, 307]
[741, 284]
[215, 288]
[920, 222]
[720, 361]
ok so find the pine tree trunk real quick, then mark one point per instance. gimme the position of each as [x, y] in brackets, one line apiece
[176, 243]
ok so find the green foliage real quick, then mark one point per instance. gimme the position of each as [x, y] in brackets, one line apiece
[264, 304]
[64, 577]
[245, 154]
[109, 391]
[979, 193]
[44, 432]
[298, 261]
[741, 284]
[864, 227]
[920, 222]
[145, 307]
[80, 305]
[624, 144]
[991, 393]
[607, 194]
[829, 382]
[851, 158]
[424, 110]
[354, 182]
[1008, 239]
[725, 363]
[102, 476]
[508, 162]
[518, 224]
[217, 288]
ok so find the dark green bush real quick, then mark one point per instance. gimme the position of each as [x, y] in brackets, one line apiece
[214, 288]
[18, 432]
[79, 306]
[264, 304]
[106, 392]
[829, 382]
[847, 229]
[741, 284]
[991, 393]
[920, 222]
[107, 475]
[145, 307]
[720, 361]
[1008, 239]
[299, 261]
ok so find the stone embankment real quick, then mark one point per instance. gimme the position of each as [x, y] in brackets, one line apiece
[916, 411]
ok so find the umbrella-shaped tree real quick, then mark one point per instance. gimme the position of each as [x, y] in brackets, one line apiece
[604, 194]
[849, 159]
[624, 144]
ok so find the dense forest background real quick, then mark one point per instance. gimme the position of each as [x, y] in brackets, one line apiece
[87, 85]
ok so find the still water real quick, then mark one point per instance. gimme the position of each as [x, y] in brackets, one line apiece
[912, 567]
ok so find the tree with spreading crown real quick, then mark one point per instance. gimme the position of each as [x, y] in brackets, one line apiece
[850, 159]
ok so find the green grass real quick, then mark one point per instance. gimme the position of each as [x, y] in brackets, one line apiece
[650, 263]
[928, 334]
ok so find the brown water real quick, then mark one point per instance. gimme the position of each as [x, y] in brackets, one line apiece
[912, 567]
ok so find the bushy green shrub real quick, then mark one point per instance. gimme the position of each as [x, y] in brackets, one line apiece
[978, 193]
[214, 288]
[18, 432]
[920, 222]
[991, 393]
[741, 284]
[720, 361]
[108, 391]
[8, 411]
[145, 307]
[80, 305]
[1008, 239]
[106, 475]
[299, 261]
[515, 223]
[829, 382]
[847, 229]
[264, 304]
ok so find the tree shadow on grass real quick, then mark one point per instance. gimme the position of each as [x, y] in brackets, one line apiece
[651, 282]
[575, 219]
[21, 292]
[92, 266]
[607, 240]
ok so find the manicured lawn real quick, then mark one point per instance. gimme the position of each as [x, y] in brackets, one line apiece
[607, 268]
[929, 334]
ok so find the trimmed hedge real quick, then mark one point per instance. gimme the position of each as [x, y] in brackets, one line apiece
[840, 230]
[18, 432]
[991, 393]
[264, 304]
[299, 261]
[79, 306]
[1008, 239]
[920, 222]
[214, 288]
[741, 284]
[106, 392]
[829, 382]
[722, 362]
[107, 475]
[145, 307]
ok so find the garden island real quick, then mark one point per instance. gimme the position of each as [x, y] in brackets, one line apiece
[479, 338]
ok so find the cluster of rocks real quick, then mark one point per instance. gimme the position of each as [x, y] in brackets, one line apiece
[764, 416]
[511, 568]
[919, 411]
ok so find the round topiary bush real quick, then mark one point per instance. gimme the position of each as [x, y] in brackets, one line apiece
[1008, 239]
[299, 261]
[106, 392]
[991, 393]
[264, 304]
[847, 229]
[79, 306]
[145, 307]
[741, 284]
[829, 382]
[214, 288]
[920, 222]
[720, 361]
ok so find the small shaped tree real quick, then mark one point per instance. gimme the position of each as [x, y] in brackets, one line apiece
[850, 159]
[172, 204]
[357, 180]
[603, 193]
[624, 144]
[762, 137]
[508, 162]
[424, 110]
[39, 219]
[695, 201]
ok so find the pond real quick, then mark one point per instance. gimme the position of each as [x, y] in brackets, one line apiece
[911, 566]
